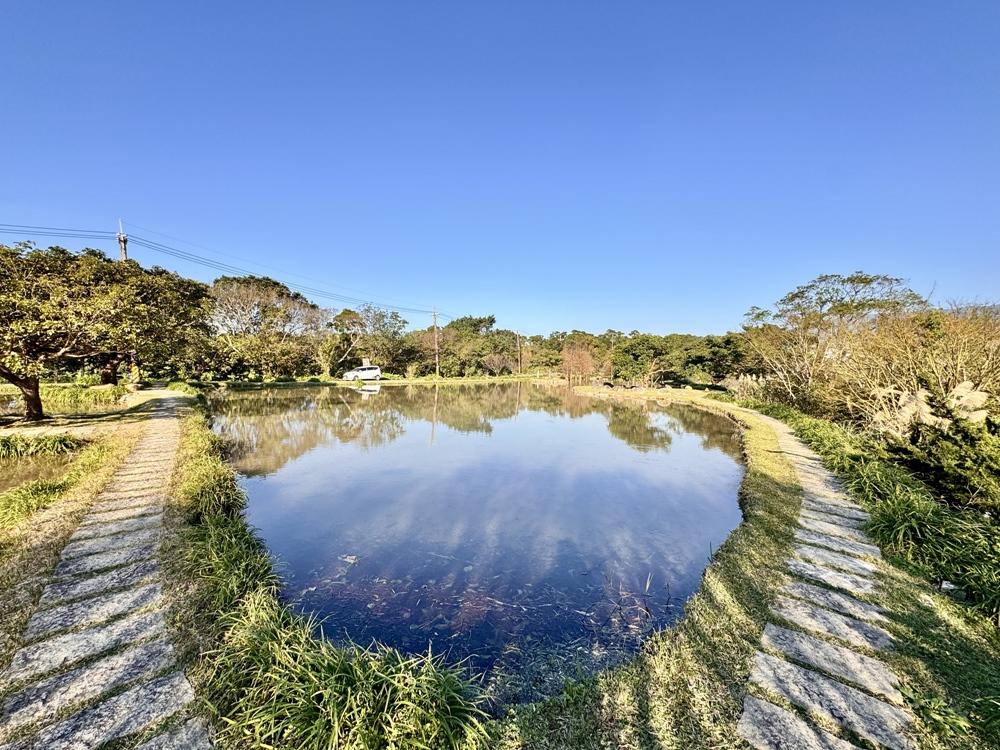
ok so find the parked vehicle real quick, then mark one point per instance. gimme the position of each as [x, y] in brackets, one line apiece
[363, 373]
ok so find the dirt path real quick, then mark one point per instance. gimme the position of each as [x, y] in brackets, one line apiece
[821, 651]
[95, 662]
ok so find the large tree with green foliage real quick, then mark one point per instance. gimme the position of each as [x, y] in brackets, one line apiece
[265, 325]
[59, 307]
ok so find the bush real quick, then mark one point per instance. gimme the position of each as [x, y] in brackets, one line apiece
[961, 464]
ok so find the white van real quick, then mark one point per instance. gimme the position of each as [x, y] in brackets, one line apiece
[363, 373]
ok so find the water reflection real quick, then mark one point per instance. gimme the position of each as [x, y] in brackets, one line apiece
[536, 532]
[17, 471]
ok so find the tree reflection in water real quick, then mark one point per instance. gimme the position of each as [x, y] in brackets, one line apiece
[535, 532]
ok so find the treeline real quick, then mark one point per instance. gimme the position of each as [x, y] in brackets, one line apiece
[65, 314]
[257, 327]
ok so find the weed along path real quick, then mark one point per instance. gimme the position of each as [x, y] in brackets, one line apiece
[821, 651]
[95, 662]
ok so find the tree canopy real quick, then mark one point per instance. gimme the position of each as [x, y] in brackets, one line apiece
[59, 307]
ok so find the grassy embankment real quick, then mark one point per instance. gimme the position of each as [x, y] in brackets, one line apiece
[272, 683]
[268, 680]
[196, 386]
[58, 398]
[948, 650]
[37, 517]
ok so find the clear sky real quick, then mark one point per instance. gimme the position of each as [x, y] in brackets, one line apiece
[635, 165]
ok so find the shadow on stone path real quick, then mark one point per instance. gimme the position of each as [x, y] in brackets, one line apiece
[95, 662]
[820, 653]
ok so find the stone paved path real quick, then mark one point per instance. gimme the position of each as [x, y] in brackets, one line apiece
[821, 652]
[95, 662]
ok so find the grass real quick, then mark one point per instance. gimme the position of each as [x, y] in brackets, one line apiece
[62, 398]
[22, 446]
[22, 501]
[947, 651]
[937, 540]
[37, 518]
[685, 689]
[269, 681]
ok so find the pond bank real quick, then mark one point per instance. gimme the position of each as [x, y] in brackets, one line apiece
[945, 655]
[685, 688]
[257, 664]
[95, 663]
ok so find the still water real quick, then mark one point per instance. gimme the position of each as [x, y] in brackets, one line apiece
[534, 533]
[17, 471]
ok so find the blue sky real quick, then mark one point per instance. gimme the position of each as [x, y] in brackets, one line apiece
[640, 165]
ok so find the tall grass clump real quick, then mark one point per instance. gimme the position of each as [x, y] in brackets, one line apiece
[20, 502]
[944, 541]
[21, 446]
[270, 681]
[71, 398]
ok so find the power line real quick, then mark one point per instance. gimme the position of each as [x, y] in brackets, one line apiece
[65, 232]
[254, 263]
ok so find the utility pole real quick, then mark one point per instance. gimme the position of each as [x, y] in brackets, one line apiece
[122, 242]
[518, 335]
[437, 356]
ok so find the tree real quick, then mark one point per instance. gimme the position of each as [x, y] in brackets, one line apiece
[800, 340]
[382, 335]
[59, 307]
[578, 363]
[264, 324]
[497, 362]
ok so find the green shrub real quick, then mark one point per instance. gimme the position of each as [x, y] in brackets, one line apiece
[961, 465]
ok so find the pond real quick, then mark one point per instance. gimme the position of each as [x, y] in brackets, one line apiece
[17, 471]
[531, 532]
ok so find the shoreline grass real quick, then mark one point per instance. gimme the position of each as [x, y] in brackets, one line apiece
[20, 502]
[69, 398]
[198, 386]
[37, 518]
[269, 681]
[24, 446]
[947, 651]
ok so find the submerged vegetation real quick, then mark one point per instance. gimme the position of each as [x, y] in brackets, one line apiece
[270, 681]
